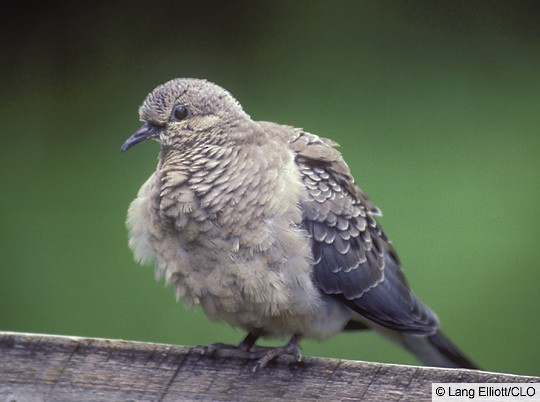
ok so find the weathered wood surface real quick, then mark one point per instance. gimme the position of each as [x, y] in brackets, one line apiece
[59, 368]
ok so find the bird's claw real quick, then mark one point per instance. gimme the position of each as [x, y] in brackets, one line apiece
[291, 348]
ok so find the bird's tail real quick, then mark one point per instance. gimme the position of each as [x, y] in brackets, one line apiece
[437, 350]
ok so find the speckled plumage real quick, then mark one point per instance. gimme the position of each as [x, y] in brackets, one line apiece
[262, 226]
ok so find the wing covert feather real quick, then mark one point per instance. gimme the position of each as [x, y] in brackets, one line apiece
[354, 260]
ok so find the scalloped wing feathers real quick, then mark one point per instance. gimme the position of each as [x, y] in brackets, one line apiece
[354, 260]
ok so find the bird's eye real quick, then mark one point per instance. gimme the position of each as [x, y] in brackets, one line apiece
[180, 112]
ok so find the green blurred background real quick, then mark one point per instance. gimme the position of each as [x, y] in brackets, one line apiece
[436, 106]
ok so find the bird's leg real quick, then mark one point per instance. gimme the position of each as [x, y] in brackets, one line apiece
[291, 348]
[248, 342]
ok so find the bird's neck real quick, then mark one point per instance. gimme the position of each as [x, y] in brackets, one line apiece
[209, 148]
[192, 158]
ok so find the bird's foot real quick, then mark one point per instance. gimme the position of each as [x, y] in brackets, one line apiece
[212, 348]
[263, 354]
[291, 348]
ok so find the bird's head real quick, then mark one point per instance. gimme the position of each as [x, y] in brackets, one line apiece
[187, 111]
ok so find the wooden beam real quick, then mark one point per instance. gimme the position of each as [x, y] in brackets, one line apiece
[61, 368]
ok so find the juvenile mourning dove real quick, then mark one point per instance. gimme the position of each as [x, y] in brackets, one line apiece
[263, 226]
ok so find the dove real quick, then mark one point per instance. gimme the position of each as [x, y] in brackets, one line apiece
[263, 227]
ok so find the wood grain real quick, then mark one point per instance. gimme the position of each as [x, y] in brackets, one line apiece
[37, 367]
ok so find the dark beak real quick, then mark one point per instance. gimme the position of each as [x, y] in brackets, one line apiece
[147, 130]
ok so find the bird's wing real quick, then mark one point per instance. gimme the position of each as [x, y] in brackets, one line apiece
[354, 260]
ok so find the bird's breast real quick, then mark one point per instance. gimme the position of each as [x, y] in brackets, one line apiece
[229, 236]
[228, 193]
